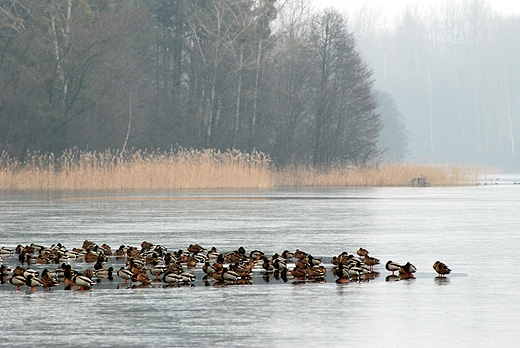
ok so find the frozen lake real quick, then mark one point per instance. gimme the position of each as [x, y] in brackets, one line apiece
[475, 230]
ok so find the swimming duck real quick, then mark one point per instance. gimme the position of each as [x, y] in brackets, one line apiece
[33, 282]
[441, 268]
[408, 269]
[392, 266]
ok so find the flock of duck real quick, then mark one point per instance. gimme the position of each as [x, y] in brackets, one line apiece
[153, 265]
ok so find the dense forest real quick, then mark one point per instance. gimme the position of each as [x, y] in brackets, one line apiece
[453, 71]
[262, 75]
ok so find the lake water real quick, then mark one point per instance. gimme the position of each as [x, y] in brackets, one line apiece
[475, 230]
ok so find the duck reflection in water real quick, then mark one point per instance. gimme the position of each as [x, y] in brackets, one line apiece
[392, 278]
[442, 280]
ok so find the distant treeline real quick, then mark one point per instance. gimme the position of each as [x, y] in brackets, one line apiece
[262, 75]
[453, 69]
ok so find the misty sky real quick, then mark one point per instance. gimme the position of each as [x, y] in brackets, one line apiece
[392, 7]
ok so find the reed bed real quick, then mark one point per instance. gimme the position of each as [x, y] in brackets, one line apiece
[138, 170]
[206, 169]
[387, 175]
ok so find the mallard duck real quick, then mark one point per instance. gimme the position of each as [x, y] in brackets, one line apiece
[300, 254]
[316, 272]
[208, 268]
[279, 265]
[49, 274]
[84, 282]
[242, 252]
[91, 257]
[241, 270]
[121, 252]
[4, 270]
[141, 278]
[370, 261]
[256, 255]
[196, 249]
[6, 250]
[48, 282]
[18, 280]
[124, 274]
[88, 273]
[29, 272]
[392, 266]
[355, 272]
[33, 282]
[191, 262]
[68, 272]
[98, 265]
[267, 265]
[441, 268]
[299, 273]
[286, 254]
[187, 277]
[217, 275]
[408, 269]
[172, 277]
[157, 270]
[362, 252]
[229, 276]
[313, 261]
[301, 264]
[106, 249]
[105, 273]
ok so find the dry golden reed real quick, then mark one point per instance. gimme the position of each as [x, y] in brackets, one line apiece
[205, 169]
[381, 175]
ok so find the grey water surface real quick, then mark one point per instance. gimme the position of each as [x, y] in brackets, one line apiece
[475, 230]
